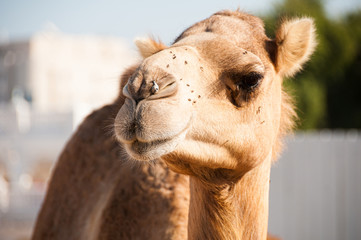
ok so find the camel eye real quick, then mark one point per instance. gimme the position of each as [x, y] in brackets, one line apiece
[242, 87]
[249, 81]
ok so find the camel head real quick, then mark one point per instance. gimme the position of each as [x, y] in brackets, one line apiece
[214, 99]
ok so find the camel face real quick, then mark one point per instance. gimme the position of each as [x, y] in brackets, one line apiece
[214, 98]
[181, 97]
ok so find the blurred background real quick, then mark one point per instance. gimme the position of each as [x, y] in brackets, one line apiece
[61, 60]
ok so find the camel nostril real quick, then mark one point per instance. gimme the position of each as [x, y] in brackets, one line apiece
[155, 88]
[164, 91]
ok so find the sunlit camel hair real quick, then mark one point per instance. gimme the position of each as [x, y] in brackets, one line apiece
[211, 107]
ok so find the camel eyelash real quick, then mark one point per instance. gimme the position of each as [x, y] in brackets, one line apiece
[247, 82]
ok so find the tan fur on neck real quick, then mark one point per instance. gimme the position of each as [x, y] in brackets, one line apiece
[232, 211]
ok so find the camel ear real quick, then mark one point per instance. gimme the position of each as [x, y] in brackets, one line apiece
[295, 42]
[148, 46]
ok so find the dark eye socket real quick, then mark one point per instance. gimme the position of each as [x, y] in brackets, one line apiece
[248, 81]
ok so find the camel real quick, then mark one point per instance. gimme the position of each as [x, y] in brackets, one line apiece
[185, 151]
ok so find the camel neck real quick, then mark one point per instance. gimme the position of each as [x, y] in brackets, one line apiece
[231, 211]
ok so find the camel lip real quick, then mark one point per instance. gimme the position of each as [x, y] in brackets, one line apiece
[144, 147]
[147, 151]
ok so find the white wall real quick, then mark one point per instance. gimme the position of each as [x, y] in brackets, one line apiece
[316, 188]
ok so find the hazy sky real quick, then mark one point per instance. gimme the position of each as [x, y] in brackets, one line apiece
[19, 19]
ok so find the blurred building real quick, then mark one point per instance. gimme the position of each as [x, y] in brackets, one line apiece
[55, 72]
[51, 81]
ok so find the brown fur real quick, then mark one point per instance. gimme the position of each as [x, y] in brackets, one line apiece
[95, 193]
[194, 125]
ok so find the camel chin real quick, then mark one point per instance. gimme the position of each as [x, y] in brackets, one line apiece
[148, 151]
